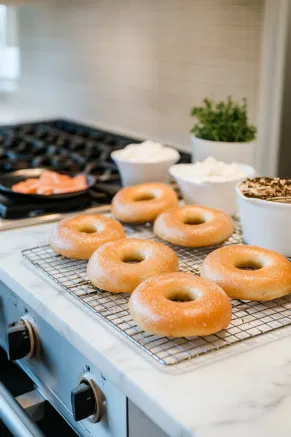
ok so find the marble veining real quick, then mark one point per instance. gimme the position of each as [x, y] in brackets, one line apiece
[245, 391]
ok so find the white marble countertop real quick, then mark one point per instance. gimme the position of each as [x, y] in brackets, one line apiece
[243, 390]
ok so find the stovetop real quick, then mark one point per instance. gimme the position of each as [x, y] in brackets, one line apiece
[62, 145]
[10, 209]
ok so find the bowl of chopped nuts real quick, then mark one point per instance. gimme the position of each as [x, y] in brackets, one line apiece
[265, 212]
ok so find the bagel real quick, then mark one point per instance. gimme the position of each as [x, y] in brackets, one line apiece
[194, 226]
[122, 265]
[79, 236]
[143, 203]
[248, 272]
[180, 305]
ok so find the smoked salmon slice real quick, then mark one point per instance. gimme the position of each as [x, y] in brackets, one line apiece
[51, 182]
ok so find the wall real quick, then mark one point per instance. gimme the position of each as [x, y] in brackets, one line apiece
[9, 51]
[284, 158]
[140, 65]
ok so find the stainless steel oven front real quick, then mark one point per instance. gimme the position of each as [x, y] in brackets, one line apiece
[74, 386]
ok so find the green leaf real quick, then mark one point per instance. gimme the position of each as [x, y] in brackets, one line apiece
[225, 121]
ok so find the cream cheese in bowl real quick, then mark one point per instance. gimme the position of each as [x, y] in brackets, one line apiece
[146, 152]
[210, 170]
[145, 162]
[211, 182]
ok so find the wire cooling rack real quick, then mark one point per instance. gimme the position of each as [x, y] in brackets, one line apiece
[249, 318]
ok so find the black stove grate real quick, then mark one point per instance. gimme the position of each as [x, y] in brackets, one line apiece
[60, 144]
[63, 146]
[9, 209]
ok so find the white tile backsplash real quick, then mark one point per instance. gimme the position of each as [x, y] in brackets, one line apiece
[139, 66]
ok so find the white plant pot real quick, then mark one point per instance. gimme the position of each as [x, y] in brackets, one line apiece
[243, 153]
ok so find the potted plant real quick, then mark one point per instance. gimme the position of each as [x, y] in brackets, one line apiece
[222, 130]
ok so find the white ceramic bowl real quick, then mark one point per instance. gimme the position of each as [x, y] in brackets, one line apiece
[219, 195]
[226, 152]
[265, 224]
[134, 173]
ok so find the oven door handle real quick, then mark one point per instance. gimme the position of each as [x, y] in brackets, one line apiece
[15, 418]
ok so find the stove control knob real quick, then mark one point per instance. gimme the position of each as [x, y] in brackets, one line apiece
[20, 340]
[87, 401]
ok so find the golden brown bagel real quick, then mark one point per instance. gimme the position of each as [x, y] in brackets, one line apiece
[79, 236]
[227, 267]
[194, 226]
[143, 203]
[204, 310]
[110, 268]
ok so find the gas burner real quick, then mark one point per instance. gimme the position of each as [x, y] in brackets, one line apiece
[62, 145]
[59, 144]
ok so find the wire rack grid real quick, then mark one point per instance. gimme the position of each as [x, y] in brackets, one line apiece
[249, 319]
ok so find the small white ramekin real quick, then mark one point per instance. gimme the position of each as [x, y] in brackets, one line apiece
[218, 195]
[134, 173]
[265, 224]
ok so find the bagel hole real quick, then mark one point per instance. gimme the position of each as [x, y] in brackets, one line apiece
[144, 197]
[132, 259]
[180, 296]
[194, 221]
[88, 229]
[250, 265]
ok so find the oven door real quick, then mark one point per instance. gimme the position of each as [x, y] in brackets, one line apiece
[23, 410]
[73, 386]
[15, 417]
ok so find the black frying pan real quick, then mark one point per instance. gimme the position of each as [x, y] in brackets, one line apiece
[9, 179]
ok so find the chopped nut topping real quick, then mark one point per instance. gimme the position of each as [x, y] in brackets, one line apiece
[273, 189]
